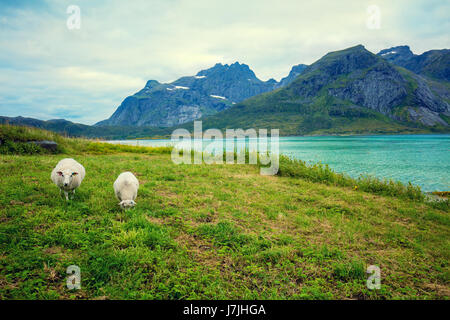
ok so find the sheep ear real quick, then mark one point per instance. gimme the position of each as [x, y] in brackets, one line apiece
[59, 173]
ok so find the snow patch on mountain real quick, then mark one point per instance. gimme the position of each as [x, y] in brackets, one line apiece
[218, 97]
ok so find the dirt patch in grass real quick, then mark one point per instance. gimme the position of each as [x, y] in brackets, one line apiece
[53, 250]
[155, 220]
[440, 290]
[203, 252]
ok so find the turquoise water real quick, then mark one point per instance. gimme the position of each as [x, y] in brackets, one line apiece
[423, 160]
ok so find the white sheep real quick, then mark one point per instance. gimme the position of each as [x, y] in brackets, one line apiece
[67, 175]
[126, 187]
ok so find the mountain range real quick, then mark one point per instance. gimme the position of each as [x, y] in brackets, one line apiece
[344, 92]
[190, 98]
[347, 91]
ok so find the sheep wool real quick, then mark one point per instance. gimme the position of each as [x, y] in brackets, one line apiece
[126, 187]
[67, 175]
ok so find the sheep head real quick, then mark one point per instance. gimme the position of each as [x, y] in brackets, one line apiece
[66, 178]
[127, 204]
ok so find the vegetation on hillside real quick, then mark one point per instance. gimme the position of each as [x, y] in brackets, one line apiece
[323, 115]
[297, 119]
[15, 140]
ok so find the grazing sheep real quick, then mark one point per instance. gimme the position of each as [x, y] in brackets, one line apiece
[126, 187]
[67, 175]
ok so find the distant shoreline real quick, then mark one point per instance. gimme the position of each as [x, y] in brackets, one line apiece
[310, 135]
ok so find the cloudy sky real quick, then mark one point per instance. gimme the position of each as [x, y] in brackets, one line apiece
[49, 71]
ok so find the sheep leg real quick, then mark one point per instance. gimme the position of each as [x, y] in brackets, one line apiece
[67, 195]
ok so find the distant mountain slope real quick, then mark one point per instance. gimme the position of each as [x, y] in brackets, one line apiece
[347, 91]
[81, 130]
[56, 125]
[189, 98]
[295, 72]
[433, 63]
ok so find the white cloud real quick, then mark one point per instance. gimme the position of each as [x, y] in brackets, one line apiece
[91, 79]
[46, 69]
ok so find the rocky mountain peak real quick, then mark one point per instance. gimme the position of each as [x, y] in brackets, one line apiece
[338, 63]
[433, 63]
[294, 73]
[151, 84]
[235, 70]
[397, 55]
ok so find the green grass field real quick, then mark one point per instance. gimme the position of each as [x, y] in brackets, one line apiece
[212, 232]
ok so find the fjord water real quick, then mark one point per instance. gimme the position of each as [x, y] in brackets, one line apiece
[423, 160]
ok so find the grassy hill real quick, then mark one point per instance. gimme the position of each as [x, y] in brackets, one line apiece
[271, 111]
[213, 231]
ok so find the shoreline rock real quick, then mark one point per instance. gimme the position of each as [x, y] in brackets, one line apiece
[46, 144]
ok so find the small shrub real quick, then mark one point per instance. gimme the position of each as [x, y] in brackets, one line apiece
[349, 271]
[224, 234]
[21, 148]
